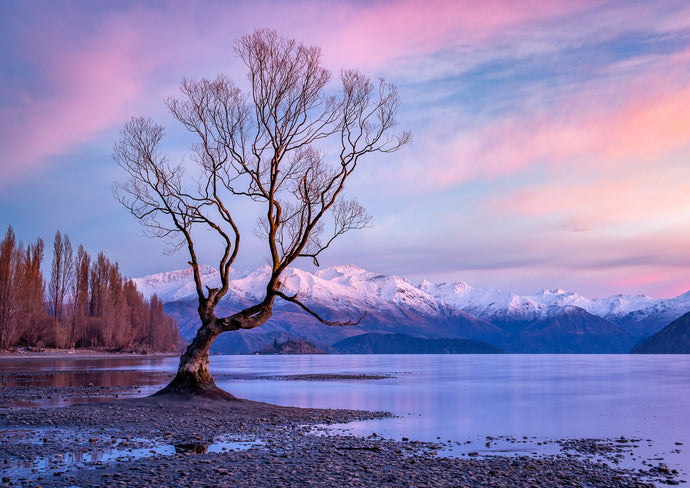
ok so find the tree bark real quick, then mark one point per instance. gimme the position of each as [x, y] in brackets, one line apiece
[193, 377]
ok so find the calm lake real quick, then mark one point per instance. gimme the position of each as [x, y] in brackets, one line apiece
[457, 398]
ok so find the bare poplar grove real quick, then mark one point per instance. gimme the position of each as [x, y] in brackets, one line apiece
[288, 144]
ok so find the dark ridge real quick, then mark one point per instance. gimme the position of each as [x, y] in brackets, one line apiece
[672, 339]
[373, 343]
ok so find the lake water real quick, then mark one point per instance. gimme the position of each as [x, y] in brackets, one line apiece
[461, 398]
[467, 397]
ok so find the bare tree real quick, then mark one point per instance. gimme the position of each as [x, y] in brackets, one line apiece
[80, 296]
[30, 290]
[288, 144]
[9, 254]
[61, 274]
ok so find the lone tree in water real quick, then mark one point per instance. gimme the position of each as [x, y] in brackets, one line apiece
[267, 146]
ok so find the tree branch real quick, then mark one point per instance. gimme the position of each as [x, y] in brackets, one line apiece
[293, 299]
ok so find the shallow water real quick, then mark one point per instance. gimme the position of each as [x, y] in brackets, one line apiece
[50, 382]
[101, 369]
[119, 451]
[468, 397]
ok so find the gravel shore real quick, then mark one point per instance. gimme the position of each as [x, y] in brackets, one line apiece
[195, 442]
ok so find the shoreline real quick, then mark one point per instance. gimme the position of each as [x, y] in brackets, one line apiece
[80, 353]
[117, 437]
[171, 441]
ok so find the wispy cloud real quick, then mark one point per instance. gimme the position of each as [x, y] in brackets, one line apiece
[549, 136]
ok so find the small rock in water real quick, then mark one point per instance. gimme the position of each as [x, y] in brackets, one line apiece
[192, 448]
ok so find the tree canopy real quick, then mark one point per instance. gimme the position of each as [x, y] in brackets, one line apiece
[287, 144]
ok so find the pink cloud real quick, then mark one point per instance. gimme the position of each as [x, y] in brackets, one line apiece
[92, 72]
[587, 262]
[86, 90]
[629, 235]
[382, 32]
[94, 77]
[584, 199]
[650, 125]
[621, 174]
[659, 283]
[109, 73]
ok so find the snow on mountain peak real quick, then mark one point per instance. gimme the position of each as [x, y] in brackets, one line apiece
[340, 272]
[176, 285]
[351, 286]
[553, 291]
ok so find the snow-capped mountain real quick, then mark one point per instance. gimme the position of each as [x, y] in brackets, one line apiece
[394, 305]
[175, 285]
[339, 293]
[338, 287]
[489, 304]
[497, 305]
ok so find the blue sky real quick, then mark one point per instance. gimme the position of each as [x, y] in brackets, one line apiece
[551, 138]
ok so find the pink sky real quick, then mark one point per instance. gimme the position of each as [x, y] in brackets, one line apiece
[549, 139]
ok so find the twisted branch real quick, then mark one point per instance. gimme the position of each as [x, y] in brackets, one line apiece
[293, 299]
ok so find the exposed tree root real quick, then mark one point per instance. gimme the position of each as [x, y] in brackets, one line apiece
[187, 384]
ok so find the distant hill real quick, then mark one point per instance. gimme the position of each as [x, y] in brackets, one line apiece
[672, 339]
[373, 343]
[573, 331]
[290, 347]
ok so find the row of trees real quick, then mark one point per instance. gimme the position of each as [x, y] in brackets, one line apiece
[86, 303]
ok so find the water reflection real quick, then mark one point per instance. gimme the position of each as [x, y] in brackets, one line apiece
[37, 465]
[457, 397]
[19, 364]
[51, 382]
[67, 379]
[192, 447]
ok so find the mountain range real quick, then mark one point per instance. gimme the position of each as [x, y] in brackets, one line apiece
[551, 321]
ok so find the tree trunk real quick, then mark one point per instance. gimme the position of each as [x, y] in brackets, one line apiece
[193, 377]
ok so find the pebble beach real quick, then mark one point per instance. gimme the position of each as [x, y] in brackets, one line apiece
[190, 441]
